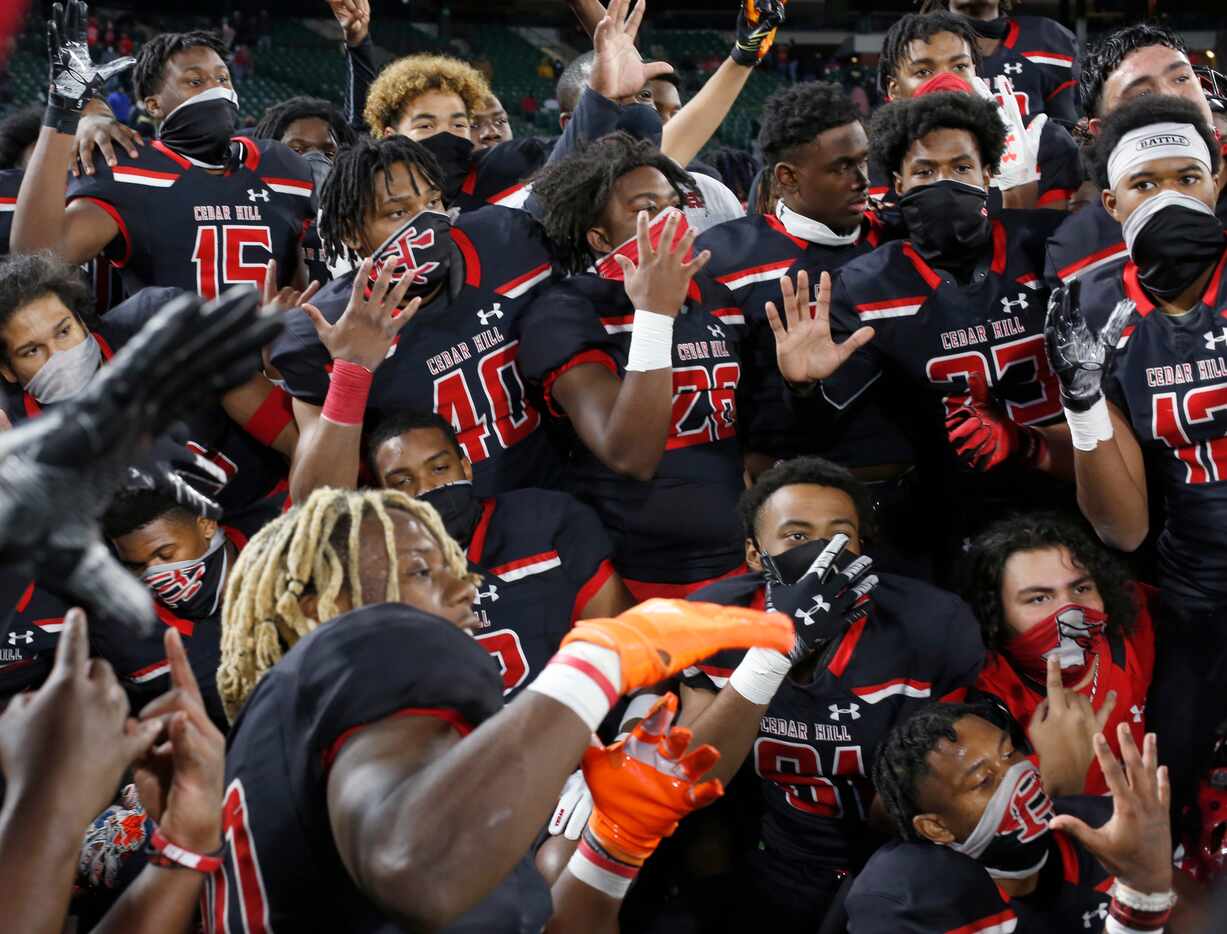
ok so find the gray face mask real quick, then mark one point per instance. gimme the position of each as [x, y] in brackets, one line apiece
[66, 372]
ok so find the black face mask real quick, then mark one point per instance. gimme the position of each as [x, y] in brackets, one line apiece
[991, 28]
[642, 121]
[1174, 247]
[200, 128]
[457, 506]
[455, 156]
[422, 247]
[947, 223]
[321, 168]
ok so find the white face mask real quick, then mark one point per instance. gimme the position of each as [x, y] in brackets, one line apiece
[66, 372]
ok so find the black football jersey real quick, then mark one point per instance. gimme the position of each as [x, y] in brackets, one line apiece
[180, 225]
[33, 620]
[542, 556]
[1085, 242]
[1058, 163]
[1040, 57]
[923, 888]
[817, 742]
[681, 526]
[458, 356]
[10, 184]
[749, 255]
[282, 870]
[1169, 378]
[498, 175]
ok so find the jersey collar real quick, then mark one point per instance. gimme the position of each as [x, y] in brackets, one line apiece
[806, 228]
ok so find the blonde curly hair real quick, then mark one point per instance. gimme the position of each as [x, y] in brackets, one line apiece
[313, 548]
[414, 75]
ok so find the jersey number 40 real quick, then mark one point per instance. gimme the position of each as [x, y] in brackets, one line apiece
[503, 403]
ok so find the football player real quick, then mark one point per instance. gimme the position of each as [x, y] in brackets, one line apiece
[1037, 54]
[1041, 588]
[50, 349]
[1141, 370]
[644, 374]
[870, 649]
[465, 286]
[955, 311]
[33, 621]
[490, 124]
[198, 209]
[543, 557]
[1139, 60]
[350, 676]
[920, 53]
[985, 849]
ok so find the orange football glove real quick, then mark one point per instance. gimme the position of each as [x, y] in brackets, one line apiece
[757, 23]
[659, 637]
[644, 784]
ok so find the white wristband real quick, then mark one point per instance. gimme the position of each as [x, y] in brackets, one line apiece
[1087, 429]
[651, 342]
[604, 876]
[585, 677]
[1142, 901]
[760, 675]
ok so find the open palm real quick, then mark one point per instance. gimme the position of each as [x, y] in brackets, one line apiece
[804, 348]
[618, 71]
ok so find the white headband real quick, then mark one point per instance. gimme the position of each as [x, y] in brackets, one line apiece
[1156, 141]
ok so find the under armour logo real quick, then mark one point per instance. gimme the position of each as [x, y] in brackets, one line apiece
[851, 710]
[1020, 303]
[1212, 338]
[491, 594]
[807, 616]
[496, 311]
[254, 195]
[1137, 712]
[715, 330]
[1012, 68]
[1100, 914]
[27, 637]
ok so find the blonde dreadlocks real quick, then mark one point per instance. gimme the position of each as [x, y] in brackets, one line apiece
[313, 548]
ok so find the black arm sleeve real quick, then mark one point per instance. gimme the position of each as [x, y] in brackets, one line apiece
[360, 72]
[594, 117]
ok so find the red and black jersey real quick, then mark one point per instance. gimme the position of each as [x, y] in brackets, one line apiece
[282, 870]
[180, 225]
[1057, 160]
[542, 556]
[1040, 57]
[498, 175]
[817, 742]
[749, 255]
[924, 888]
[681, 526]
[458, 357]
[1169, 378]
[33, 620]
[10, 184]
[253, 470]
[935, 332]
[1125, 669]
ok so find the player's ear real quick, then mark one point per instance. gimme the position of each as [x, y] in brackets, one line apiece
[598, 241]
[988, 178]
[1094, 126]
[154, 107]
[898, 183]
[753, 561]
[466, 465]
[932, 827]
[785, 177]
[563, 120]
[1108, 197]
[207, 527]
[892, 89]
[5, 370]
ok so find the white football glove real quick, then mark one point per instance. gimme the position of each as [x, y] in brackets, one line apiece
[574, 808]
[1020, 161]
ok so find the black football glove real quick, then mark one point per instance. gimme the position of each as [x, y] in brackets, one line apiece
[59, 471]
[757, 22]
[1079, 358]
[828, 597]
[74, 79]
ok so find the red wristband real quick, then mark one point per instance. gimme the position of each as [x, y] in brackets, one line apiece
[345, 403]
[274, 413]
[164, 853]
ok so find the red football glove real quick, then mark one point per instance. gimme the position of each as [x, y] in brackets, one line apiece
[984, 436]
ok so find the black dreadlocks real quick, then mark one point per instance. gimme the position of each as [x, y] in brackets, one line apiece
[923, 27]
[349, 192]
[152, 58]
[278, 118]
[1105, 56]
[903, 759]
[575, 190]
[900, 123]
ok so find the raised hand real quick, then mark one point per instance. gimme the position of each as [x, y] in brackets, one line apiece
[660, 280]
[354, 17]
[1136, 844]
[181, 779]
[1020, 161]
[365, 331]
[1078, 357]
[804, 348]
[757, 23]
[618, 71]
[1062, 730]
[73, 77]
[286, 298]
